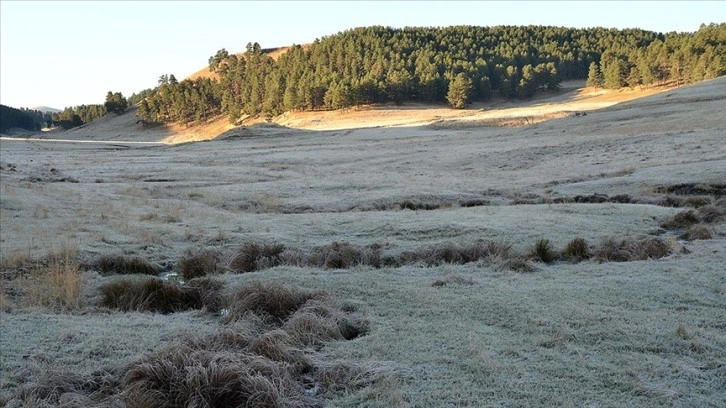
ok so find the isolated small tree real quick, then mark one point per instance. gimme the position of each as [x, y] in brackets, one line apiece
[594, 78]
[461, 89]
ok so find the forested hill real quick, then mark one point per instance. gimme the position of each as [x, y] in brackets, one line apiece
[453, 64]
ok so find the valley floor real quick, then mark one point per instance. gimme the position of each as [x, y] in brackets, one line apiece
[646, 332]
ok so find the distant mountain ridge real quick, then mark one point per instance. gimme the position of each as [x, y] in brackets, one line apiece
[47, 109]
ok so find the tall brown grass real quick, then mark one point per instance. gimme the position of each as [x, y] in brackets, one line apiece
[195, 264]
[53, 282]
[149, 294]
[126, 265]
[271, 299]
[612, 250]
[182, 376]
[252, 256]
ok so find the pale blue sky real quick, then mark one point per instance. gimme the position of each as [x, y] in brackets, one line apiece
[70, 53]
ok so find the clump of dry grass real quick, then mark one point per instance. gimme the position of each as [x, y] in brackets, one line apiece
[577, 250]
[149, 217]
[195, 264]
[698, 201]
[611, 250]
[515, 263]
[126, 265]
[149, 294]
[342, 255]
[697, 232]
[206, 293]
[226, 339]
[53, 281]
[69, 389]
[62, 284]
[310, 329]
[707, 214]
[341, 377]
[682, 332]
[451, 253]
[276, 345]
[711, 214]
[182, 376]
[15, 259]
[672, 201]
[252, 257]
[542, 251]
[272, 299]
[454, 279]
[327, 321]
[683, 219]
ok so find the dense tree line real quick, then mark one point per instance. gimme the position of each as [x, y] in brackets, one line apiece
[183, 102]
[457, 65]
[679, 58]
[27, 119]
[78, 115]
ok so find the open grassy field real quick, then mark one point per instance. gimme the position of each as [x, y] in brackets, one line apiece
[409, 256]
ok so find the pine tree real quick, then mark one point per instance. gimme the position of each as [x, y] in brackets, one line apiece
[594, 78]
[613, 75]
[461, 89]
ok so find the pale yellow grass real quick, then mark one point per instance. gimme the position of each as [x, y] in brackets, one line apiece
[53, 282]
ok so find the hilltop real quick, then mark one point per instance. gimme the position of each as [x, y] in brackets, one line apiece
[46, 109]
[458, 66]
[273, 53]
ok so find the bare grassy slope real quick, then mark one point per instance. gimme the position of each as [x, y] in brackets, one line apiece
[572, 98]
[640, 333]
